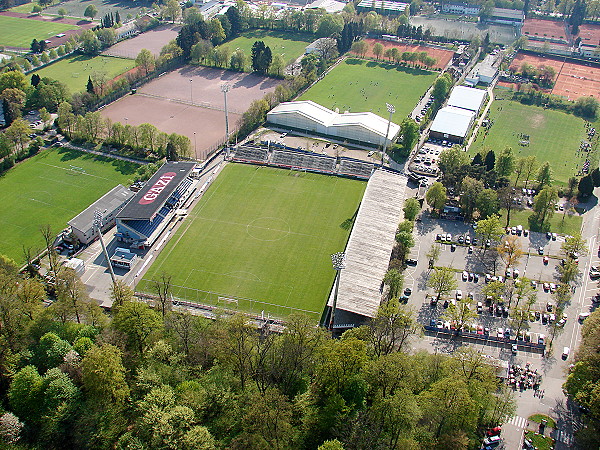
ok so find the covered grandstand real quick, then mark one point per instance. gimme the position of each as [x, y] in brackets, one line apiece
[307, 117]
[291, 158]
[369, 249]
[150, 211]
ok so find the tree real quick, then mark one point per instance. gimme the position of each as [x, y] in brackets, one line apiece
[162, 287]
[442, 280]
[586, 186]
[90, 86]
[330, 24]
[544, 175]
[505, 163]
[202, 49]
[487, 203]
[451, 160]
[172, 10]
[139, 323]
[433, 254]
[17, 133]
[377, 49]
[574, 245]
[490, 160]
[10, 428]
[460, 314]
[510, 251]
[394, 280]
[470, 189]
[103, 376]
[62, 12]
[586, 107]
[25, 393]
[529, 166]
[436, 196]
[261, 57]
[595, 174]
[543, 207]
[145, 59]
[409, 130]
[277, 66]
[391, 328]
[411, 209]
[119, 294]
[568, 271]
[91, 11]
[217, 33]
[489, 229]
[441, 87]
[360, 48]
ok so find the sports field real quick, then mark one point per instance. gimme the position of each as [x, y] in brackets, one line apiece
[74, 70]
[19, 32]
[52, 188]
[264, 234]
[288, 44]
[356, 85]
[554, 136]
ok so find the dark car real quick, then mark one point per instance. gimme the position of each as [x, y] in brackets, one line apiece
[411, 262]
[407, 291]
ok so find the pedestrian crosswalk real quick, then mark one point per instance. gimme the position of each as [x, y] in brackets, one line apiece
[518, 421]
[565, 437]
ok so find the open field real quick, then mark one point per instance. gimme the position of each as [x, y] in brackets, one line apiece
[153, 40]
[74, 70]
[442, 56]
[52, 188]
[195, 109]
[554, 136]
[264, 234]
[572, 80]
[76, 8]
[288, 44]
[19, 32]
[544, 29]
[568, 226]
[368, 85]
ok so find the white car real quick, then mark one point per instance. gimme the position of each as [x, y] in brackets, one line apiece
[465, 275]
[459, 295]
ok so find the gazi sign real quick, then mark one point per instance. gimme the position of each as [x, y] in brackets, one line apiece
[158, 187]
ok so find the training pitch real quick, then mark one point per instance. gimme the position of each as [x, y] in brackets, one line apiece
[52, 188]
[75, 70]
[287, 44]
[554, 136]
[262, 236]
[19, 32]
[356, 85]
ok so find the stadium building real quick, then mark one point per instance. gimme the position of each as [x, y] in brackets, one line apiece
[149, 212]
[110, 204]
[307, 117]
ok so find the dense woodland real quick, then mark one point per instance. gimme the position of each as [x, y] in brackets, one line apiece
[73, 376]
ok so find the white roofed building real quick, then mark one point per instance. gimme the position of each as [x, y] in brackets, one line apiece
[464, 97]
[307, 117]
[330, 6]
[452, 124]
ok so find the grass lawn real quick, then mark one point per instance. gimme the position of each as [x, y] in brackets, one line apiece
[540, 442]
[288, 44]
[554, 136]
[25, 8]
[537, 418]
[264, 234]
[74, 70]
[126, 8]
[357, 85]
[17, 32]
[570, 225]
[45, 190]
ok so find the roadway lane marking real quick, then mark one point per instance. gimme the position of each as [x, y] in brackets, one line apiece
[518, 421]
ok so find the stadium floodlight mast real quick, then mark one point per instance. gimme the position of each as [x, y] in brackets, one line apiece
[391, 109]
[339, 262]
[98, 225]
[225, 89]
[191, 91]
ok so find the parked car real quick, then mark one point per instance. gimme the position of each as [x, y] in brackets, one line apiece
[459, 294]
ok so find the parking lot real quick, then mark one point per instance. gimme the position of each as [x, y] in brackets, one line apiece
[475, 266]
[426, 159]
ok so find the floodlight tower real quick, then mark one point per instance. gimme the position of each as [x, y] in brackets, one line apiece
[391, 110]
[98, 225]
[339, 262]
[191, 91]
[225, 89]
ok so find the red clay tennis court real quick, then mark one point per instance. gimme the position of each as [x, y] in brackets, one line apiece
[544, 28]
[442, 56]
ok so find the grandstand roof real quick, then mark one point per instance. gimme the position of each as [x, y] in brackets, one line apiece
[148, 201]
[453, 121]
[370, 244]
[329, 118]
[467, 98]
[110, 201]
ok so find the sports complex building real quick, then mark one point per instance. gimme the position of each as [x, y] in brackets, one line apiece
[153, 207]
[363, 129]
[454, 121]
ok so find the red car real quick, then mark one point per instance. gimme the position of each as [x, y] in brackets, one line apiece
[494, 431]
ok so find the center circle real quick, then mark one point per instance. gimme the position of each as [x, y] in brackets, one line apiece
[268, 229]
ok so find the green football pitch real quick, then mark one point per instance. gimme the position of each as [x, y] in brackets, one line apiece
[52, 188]
[18, 32]
[554, 136]
[290, 45]
[262, 236]
[357, 85]
[74, 70]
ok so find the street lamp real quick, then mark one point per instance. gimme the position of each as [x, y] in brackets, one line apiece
[391, 110]
[195, 144]
[339, 262]
[98, 225]
[191, 92]
[225, 89]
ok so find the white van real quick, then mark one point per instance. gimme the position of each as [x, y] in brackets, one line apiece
[565, 353]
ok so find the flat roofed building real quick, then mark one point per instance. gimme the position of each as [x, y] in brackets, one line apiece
[461, 8]
[110, 204]
[464, 97]
[330, 6]
[123, 258]
[364, 128]
[452, 124]
[383, 7]
[505, 16]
